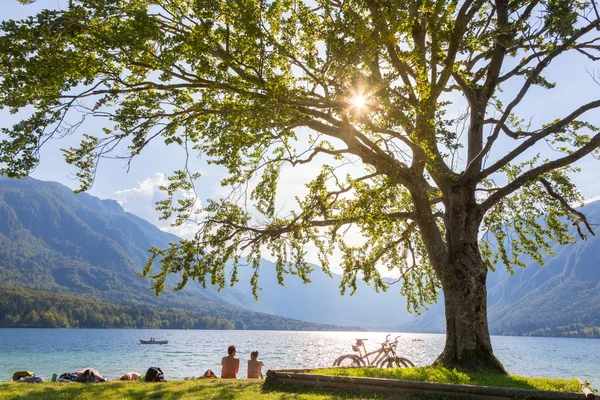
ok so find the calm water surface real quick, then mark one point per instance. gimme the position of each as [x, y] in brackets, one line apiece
[190, 353]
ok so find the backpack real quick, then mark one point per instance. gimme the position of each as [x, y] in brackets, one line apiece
[209, 374]
[154, 374]
[21, 374]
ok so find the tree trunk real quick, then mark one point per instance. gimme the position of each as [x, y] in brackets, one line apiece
[463, 277]
[468, 343]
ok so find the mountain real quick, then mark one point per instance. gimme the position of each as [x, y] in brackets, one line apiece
[320, 300]
[564, 293]
[52, 239]
[561, 298]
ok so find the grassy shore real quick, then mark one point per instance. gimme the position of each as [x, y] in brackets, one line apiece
[243, 389]
[217, 389]
[445, 375]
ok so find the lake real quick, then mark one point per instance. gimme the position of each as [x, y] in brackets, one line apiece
[191, 352]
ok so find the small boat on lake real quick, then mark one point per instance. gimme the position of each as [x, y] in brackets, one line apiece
[154, 341]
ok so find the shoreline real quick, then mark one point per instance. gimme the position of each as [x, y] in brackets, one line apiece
[282, 330]
[332, 386]
[191, 353]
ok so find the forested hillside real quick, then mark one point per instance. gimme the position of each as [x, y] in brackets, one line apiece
[53, 239]
[36, 308]
[21, 307]
[561, 298]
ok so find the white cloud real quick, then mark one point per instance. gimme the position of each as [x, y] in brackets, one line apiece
[591, 200]
[141, 201]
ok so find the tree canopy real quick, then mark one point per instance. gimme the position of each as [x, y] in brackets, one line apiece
[257, 86]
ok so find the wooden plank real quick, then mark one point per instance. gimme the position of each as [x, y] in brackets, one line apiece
[427, 386]
[304, 370]
[586, 391]
[298, 370]
[345, 386]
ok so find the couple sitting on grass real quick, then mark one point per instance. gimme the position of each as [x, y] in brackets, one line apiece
[231, 365]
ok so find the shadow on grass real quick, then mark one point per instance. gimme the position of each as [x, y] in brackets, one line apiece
[288, 391]
[130, 390]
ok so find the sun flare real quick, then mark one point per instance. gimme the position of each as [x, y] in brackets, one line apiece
[358, 102]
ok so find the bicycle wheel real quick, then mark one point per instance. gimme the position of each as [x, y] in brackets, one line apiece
[405, 361]
[398, 362]
[348, 360]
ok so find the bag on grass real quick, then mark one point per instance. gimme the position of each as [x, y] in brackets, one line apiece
[22, 374]
[154, 374]
[209, 374]
[30, 379]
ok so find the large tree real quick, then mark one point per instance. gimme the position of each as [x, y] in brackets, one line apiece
[258, 86]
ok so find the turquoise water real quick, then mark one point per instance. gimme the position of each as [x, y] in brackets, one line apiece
[190, 353]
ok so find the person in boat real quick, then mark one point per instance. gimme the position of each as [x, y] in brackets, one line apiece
[230, 363]
[255, 366]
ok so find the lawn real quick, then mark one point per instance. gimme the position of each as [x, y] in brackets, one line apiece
[244, 389]
[217, 389]
[445, 375]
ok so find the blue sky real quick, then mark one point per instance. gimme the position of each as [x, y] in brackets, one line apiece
[137, 189]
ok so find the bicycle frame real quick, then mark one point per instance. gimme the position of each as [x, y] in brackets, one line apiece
[384, 357]
[382, 353]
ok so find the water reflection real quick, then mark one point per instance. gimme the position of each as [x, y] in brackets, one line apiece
[190, 353]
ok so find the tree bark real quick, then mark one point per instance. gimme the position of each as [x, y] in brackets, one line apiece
[468, 344]
[463, 278]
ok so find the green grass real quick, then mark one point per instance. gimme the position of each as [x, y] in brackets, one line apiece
[216, 389]
[444, 375]
[243, 389]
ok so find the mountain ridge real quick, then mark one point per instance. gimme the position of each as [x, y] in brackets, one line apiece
[561, 298]
[120, 230]
[52, 239]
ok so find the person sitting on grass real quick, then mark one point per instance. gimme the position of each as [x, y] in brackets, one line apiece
[254, 366]
[230, 363]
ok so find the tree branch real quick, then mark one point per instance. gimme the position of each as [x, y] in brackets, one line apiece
[533, 139]
[316, 151]
[401, 67]
[565, 204]
[526, 177]
[495, 65]
[462, 20]
[399, 215]
[472, 166]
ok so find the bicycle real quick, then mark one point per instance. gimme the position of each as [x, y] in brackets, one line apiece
[384, 357]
